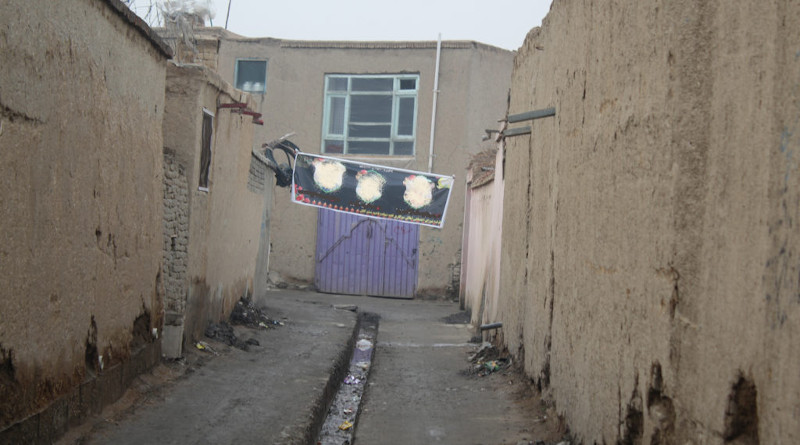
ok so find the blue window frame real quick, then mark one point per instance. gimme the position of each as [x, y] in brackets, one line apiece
[251, 75]
[370, 114]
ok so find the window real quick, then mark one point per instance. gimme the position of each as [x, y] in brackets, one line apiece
[205, 149]
[251, 75]
[370, 114]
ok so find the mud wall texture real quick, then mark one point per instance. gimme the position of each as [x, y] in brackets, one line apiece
[81, 107]
[650, 249]
[473, 88]
[213, 256]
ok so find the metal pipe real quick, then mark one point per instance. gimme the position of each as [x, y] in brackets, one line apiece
[531, 115]
[435, 96]
[228, 15]
[486, 327]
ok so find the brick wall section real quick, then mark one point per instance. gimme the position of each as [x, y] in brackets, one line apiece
[257, 179]
[176, 233]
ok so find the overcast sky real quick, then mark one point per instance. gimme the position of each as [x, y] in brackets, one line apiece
[502, 23]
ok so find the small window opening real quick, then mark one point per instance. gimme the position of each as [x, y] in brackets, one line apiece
[251, 76]
[205, 153]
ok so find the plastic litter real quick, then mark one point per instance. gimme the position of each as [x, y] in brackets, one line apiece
[203, 346]
[351, 380]
[364, 344]
[345, 426]
[492, 366]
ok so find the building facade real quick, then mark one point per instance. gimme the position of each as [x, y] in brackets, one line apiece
[371, 102]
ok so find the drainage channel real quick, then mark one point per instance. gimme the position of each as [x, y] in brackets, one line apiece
[340, 423]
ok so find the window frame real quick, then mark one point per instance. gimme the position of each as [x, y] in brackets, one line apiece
[397, 93]
[236, 74]
[207, 174]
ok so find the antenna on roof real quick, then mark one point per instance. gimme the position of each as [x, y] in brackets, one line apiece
[228, 14]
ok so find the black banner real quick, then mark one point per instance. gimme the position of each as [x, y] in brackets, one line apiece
[371, 190]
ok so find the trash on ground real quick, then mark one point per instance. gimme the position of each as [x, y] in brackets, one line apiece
[485, 352]
[345, 426]
[364, 344]
[224, 333]
[351, 380]
[346, 307]
[203, 346]
[487, 360]
[246, 313]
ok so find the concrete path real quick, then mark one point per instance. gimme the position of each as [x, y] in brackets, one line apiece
[419, 390]
[269, 395]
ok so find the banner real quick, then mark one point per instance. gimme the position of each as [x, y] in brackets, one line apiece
[371, 190]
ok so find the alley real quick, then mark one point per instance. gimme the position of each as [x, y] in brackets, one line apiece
[419, 390]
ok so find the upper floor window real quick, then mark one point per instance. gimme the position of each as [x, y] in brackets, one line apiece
[370, 114]
[251, 75]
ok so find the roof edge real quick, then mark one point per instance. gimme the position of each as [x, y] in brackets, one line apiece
[225, 34]
[144, 29]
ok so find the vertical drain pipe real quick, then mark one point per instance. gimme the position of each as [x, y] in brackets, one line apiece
[435, 96]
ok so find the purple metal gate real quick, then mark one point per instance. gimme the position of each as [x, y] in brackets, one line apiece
[363, 256]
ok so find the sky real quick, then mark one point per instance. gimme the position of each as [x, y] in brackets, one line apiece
[501, 23]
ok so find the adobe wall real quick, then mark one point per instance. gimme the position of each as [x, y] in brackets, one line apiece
[212, 262]
[473, 88]
[81, 106]
[659, 299]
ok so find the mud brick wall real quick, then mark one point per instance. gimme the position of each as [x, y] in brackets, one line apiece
[81, 109]
[650, 245]
[176, 233]
[218, 229]
[257, 179]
